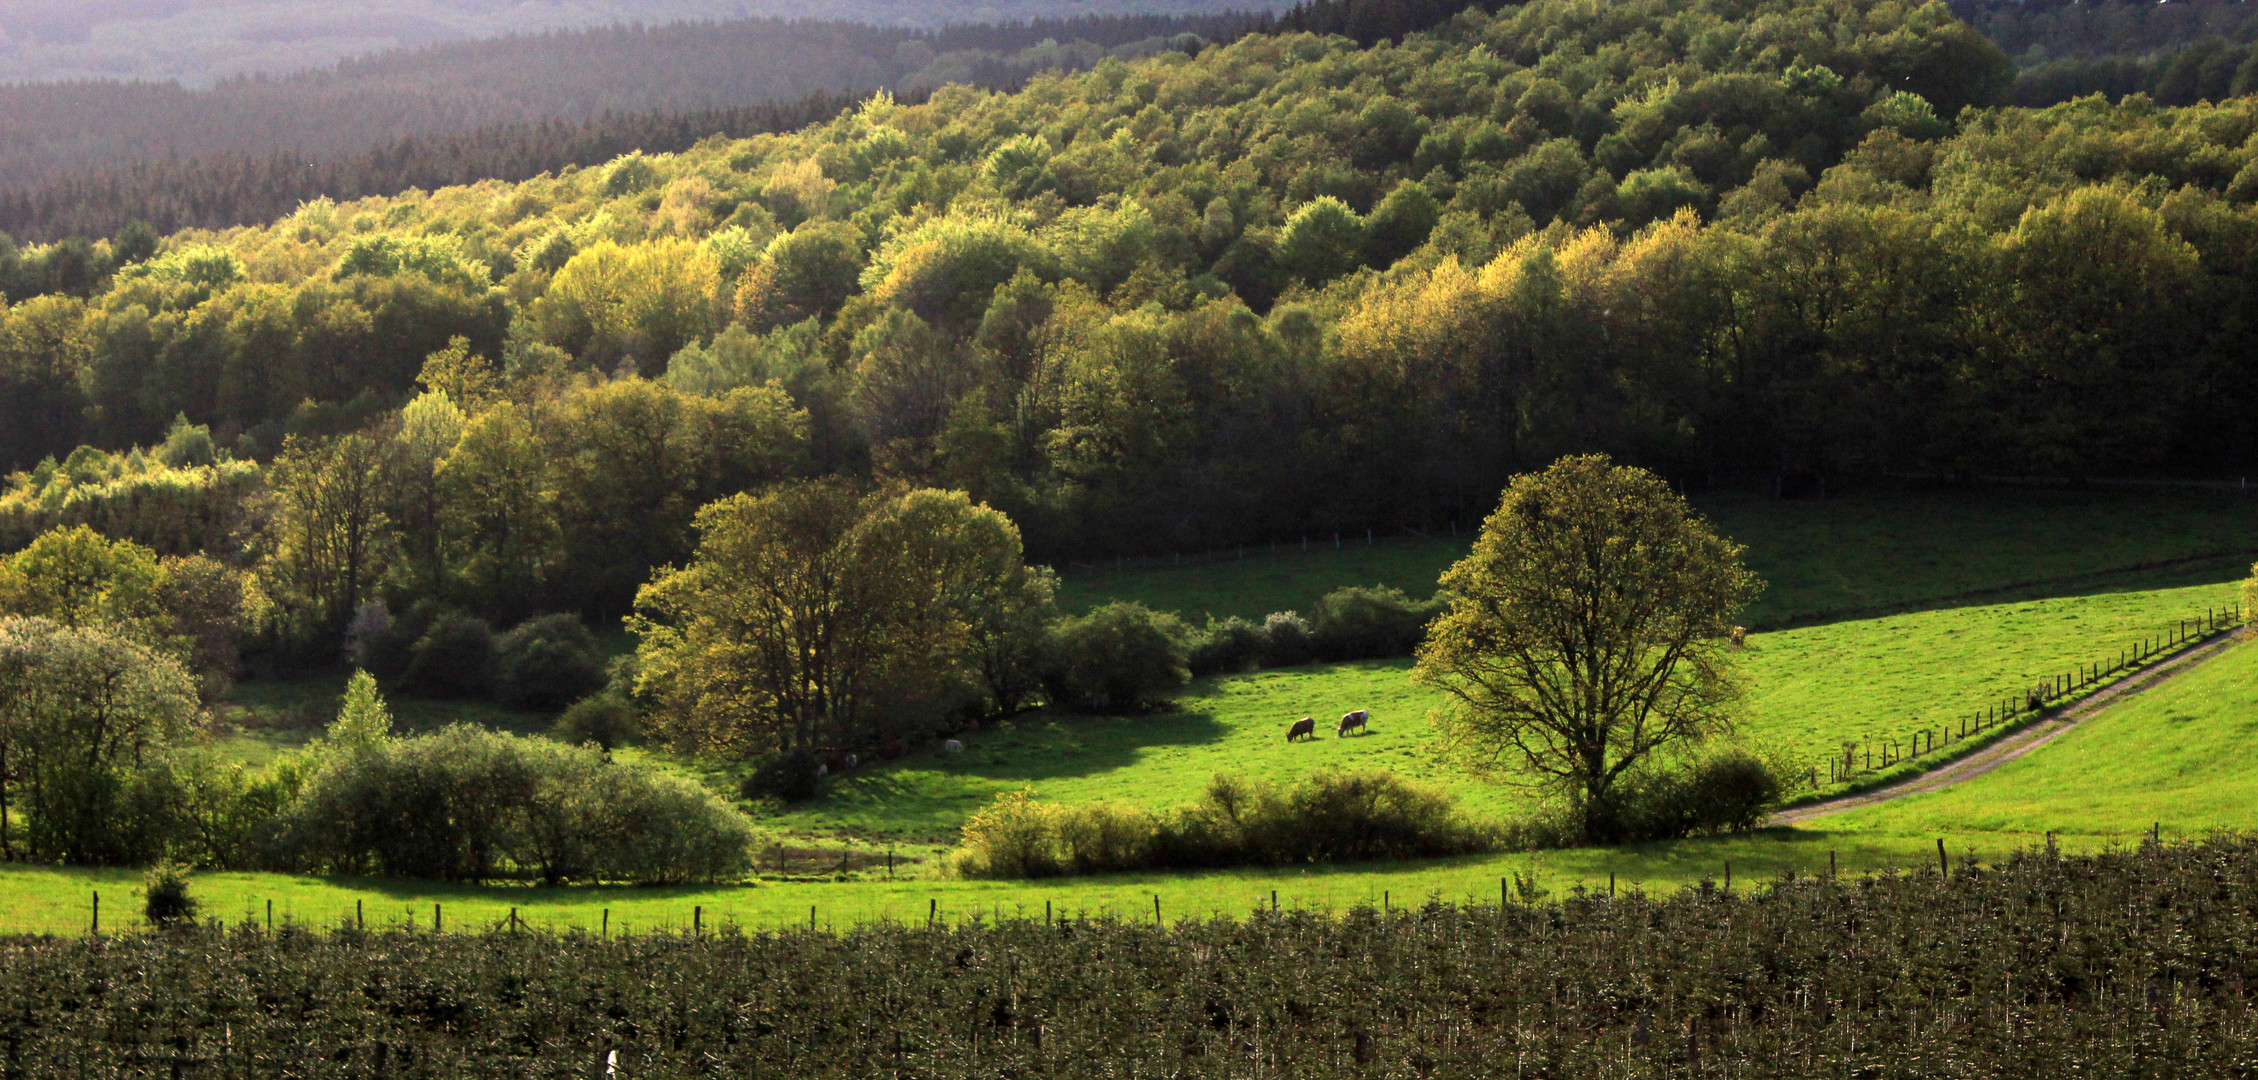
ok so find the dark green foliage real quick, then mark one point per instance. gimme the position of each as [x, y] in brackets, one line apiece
[451, 658]
[1286, 640]
[1226, 647]
[1729, 791]
[606, 719]
[1360, 623]
[547, 662]
[1332, 817]
[1121, 657]
[468, 804]
[2130, 963]
[788, 776]
[165, 899]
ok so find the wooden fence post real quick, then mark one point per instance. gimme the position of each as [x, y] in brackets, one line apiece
[97, 912]
[1944, 869]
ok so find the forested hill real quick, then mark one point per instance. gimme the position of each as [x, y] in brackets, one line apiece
[1279, 288]
[199, 42]
[50, 130]
[2177, 53]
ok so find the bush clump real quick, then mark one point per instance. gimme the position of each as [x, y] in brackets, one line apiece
[607, 719]
[1121, 658]
[787, 777]
[547, 662]
[1359, 623]
[1227, 647]
[451, 659]
[1286, 640]
[1331, 817]
[1728, 792]
[467, 804]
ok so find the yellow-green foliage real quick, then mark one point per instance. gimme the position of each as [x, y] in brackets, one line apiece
[172, 509]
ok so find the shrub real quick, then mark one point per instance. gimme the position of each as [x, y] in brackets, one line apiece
[165, 900]
[1731, 791]
[788, 777]
[1227, 647]
[1121, 657]
[547, 662]
[1358, 623]
[380, 642]
[1332, 817]
[606, 719]
[467, 804]
[1286, 640]
[1102, 837]
[1013, 837]
[451, 659]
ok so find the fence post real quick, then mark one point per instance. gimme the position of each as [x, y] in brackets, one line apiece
[437, 923]
[932, 911]
[1156, 910]
[270, 915]
[97, 912]
[359, 923]
[606, 932]
[1944, 869]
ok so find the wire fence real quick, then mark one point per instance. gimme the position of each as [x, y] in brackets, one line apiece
[1864, 760]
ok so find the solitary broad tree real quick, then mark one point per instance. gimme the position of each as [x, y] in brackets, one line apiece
[1586, 632]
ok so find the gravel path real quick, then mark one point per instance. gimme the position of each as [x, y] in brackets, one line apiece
[2038, 734]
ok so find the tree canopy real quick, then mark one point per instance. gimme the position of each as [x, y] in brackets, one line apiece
[1586, 633]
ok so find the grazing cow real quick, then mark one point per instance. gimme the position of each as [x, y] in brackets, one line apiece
[953, 746]
[1353, 722]
[833, 757]
[822, 771]
[1739, 635]
[893, 749]
[854, 761]
[1307, 725]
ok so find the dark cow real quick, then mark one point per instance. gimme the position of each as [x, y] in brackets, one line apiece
[1353, 722]
[1739, 636]
[833, 758]
[893, 749]
[1307, 725]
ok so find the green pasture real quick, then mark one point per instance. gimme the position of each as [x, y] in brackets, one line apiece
[2174, 754]
[2179, 754]
[59, 900]
[1810, 689]
[2045, 579]
[1861, 553]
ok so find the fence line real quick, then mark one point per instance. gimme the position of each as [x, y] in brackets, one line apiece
[1312, 542]
[1870, 759]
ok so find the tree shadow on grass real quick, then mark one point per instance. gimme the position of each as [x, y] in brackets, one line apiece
[931, 791]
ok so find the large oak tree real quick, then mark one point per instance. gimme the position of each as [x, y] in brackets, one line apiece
[1586, 633]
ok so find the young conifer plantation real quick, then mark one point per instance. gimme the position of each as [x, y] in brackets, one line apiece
[1428, 459]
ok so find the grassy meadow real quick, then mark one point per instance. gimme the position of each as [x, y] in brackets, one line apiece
[2177, 755]
[2050, 578]
[1861, 553]
[1810, 690]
